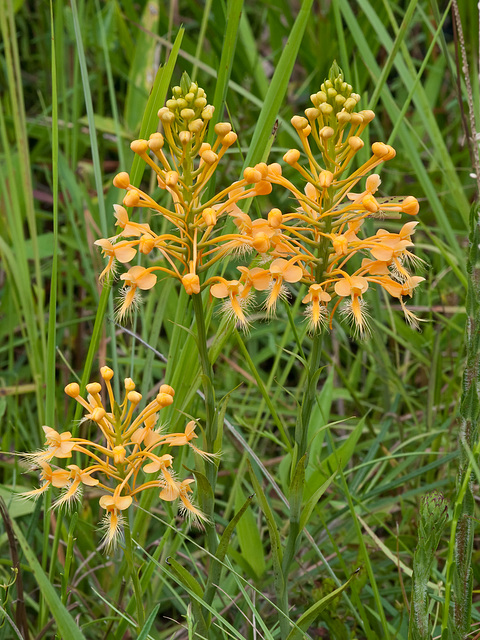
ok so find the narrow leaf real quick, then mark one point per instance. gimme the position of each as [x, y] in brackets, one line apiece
[67, 626]
[308, 618]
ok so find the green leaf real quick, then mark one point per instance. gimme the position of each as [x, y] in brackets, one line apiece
[335, 461]
[192, 586]
[249, 536]
[308, 618]
[17, 505]
[296, 490]
[148, 623]
[311, 502]
[185, 577]
[155, 101]
[141, 66]
[278, 87]
[216, 567]
[67, 626]
[272, 530]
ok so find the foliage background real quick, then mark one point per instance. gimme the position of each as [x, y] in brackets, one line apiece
[402, 59]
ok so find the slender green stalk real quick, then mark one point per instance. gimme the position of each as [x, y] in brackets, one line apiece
[211, 426]
[459, 577]
[207, 372]
[137, 588]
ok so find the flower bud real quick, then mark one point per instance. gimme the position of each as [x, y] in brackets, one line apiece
[164, 399]
[356, 119]
[209, 157]
[191, 283]
[200, 103]
[146, 244]
[171, 178]
[222, 128]
[166, 116]
[339, 100]
[134, 397]
[251, 175]
[326, 132]
[355, 143]
[391, 153]
[181, 103]
[368, 115]
[275, 218]
[299, 123]
[156, 141]
[139, 146]
[129, 385]
[72, 390]
[187, 114]
[93, 388]
[321, 96]
[106, 373]
[326, 108]
[312, 113]
[209, 217]
[98, 414]
[343, 117]
[166, 388]
[410, 206]
[262, 168]
[380, 149]
[131, 199]
[229, 139]
[292, 156]
[261, 242]
[350, 104]
[119, 454]
[325, 179]
[207, 113]
[370, 203]
[274, 170]
[184, 137]
[121, 180]
[263, 188]
[195, 126]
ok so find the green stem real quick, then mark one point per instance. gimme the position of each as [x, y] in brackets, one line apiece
[301, 428]
[137, 589]
[211, 427]
[207, 371]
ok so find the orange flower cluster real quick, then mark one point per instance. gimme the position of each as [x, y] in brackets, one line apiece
[184, 173]
[321, 243]
[130, 450]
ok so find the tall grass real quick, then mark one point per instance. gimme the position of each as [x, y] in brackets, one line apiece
[78, 82]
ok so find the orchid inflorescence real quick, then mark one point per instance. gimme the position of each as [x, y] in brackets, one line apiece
[321, 243]
[117, 467]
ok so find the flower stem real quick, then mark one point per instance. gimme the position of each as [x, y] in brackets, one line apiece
[137, 589]
[211, 427]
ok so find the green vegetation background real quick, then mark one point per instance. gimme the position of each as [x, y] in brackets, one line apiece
[402, 59]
